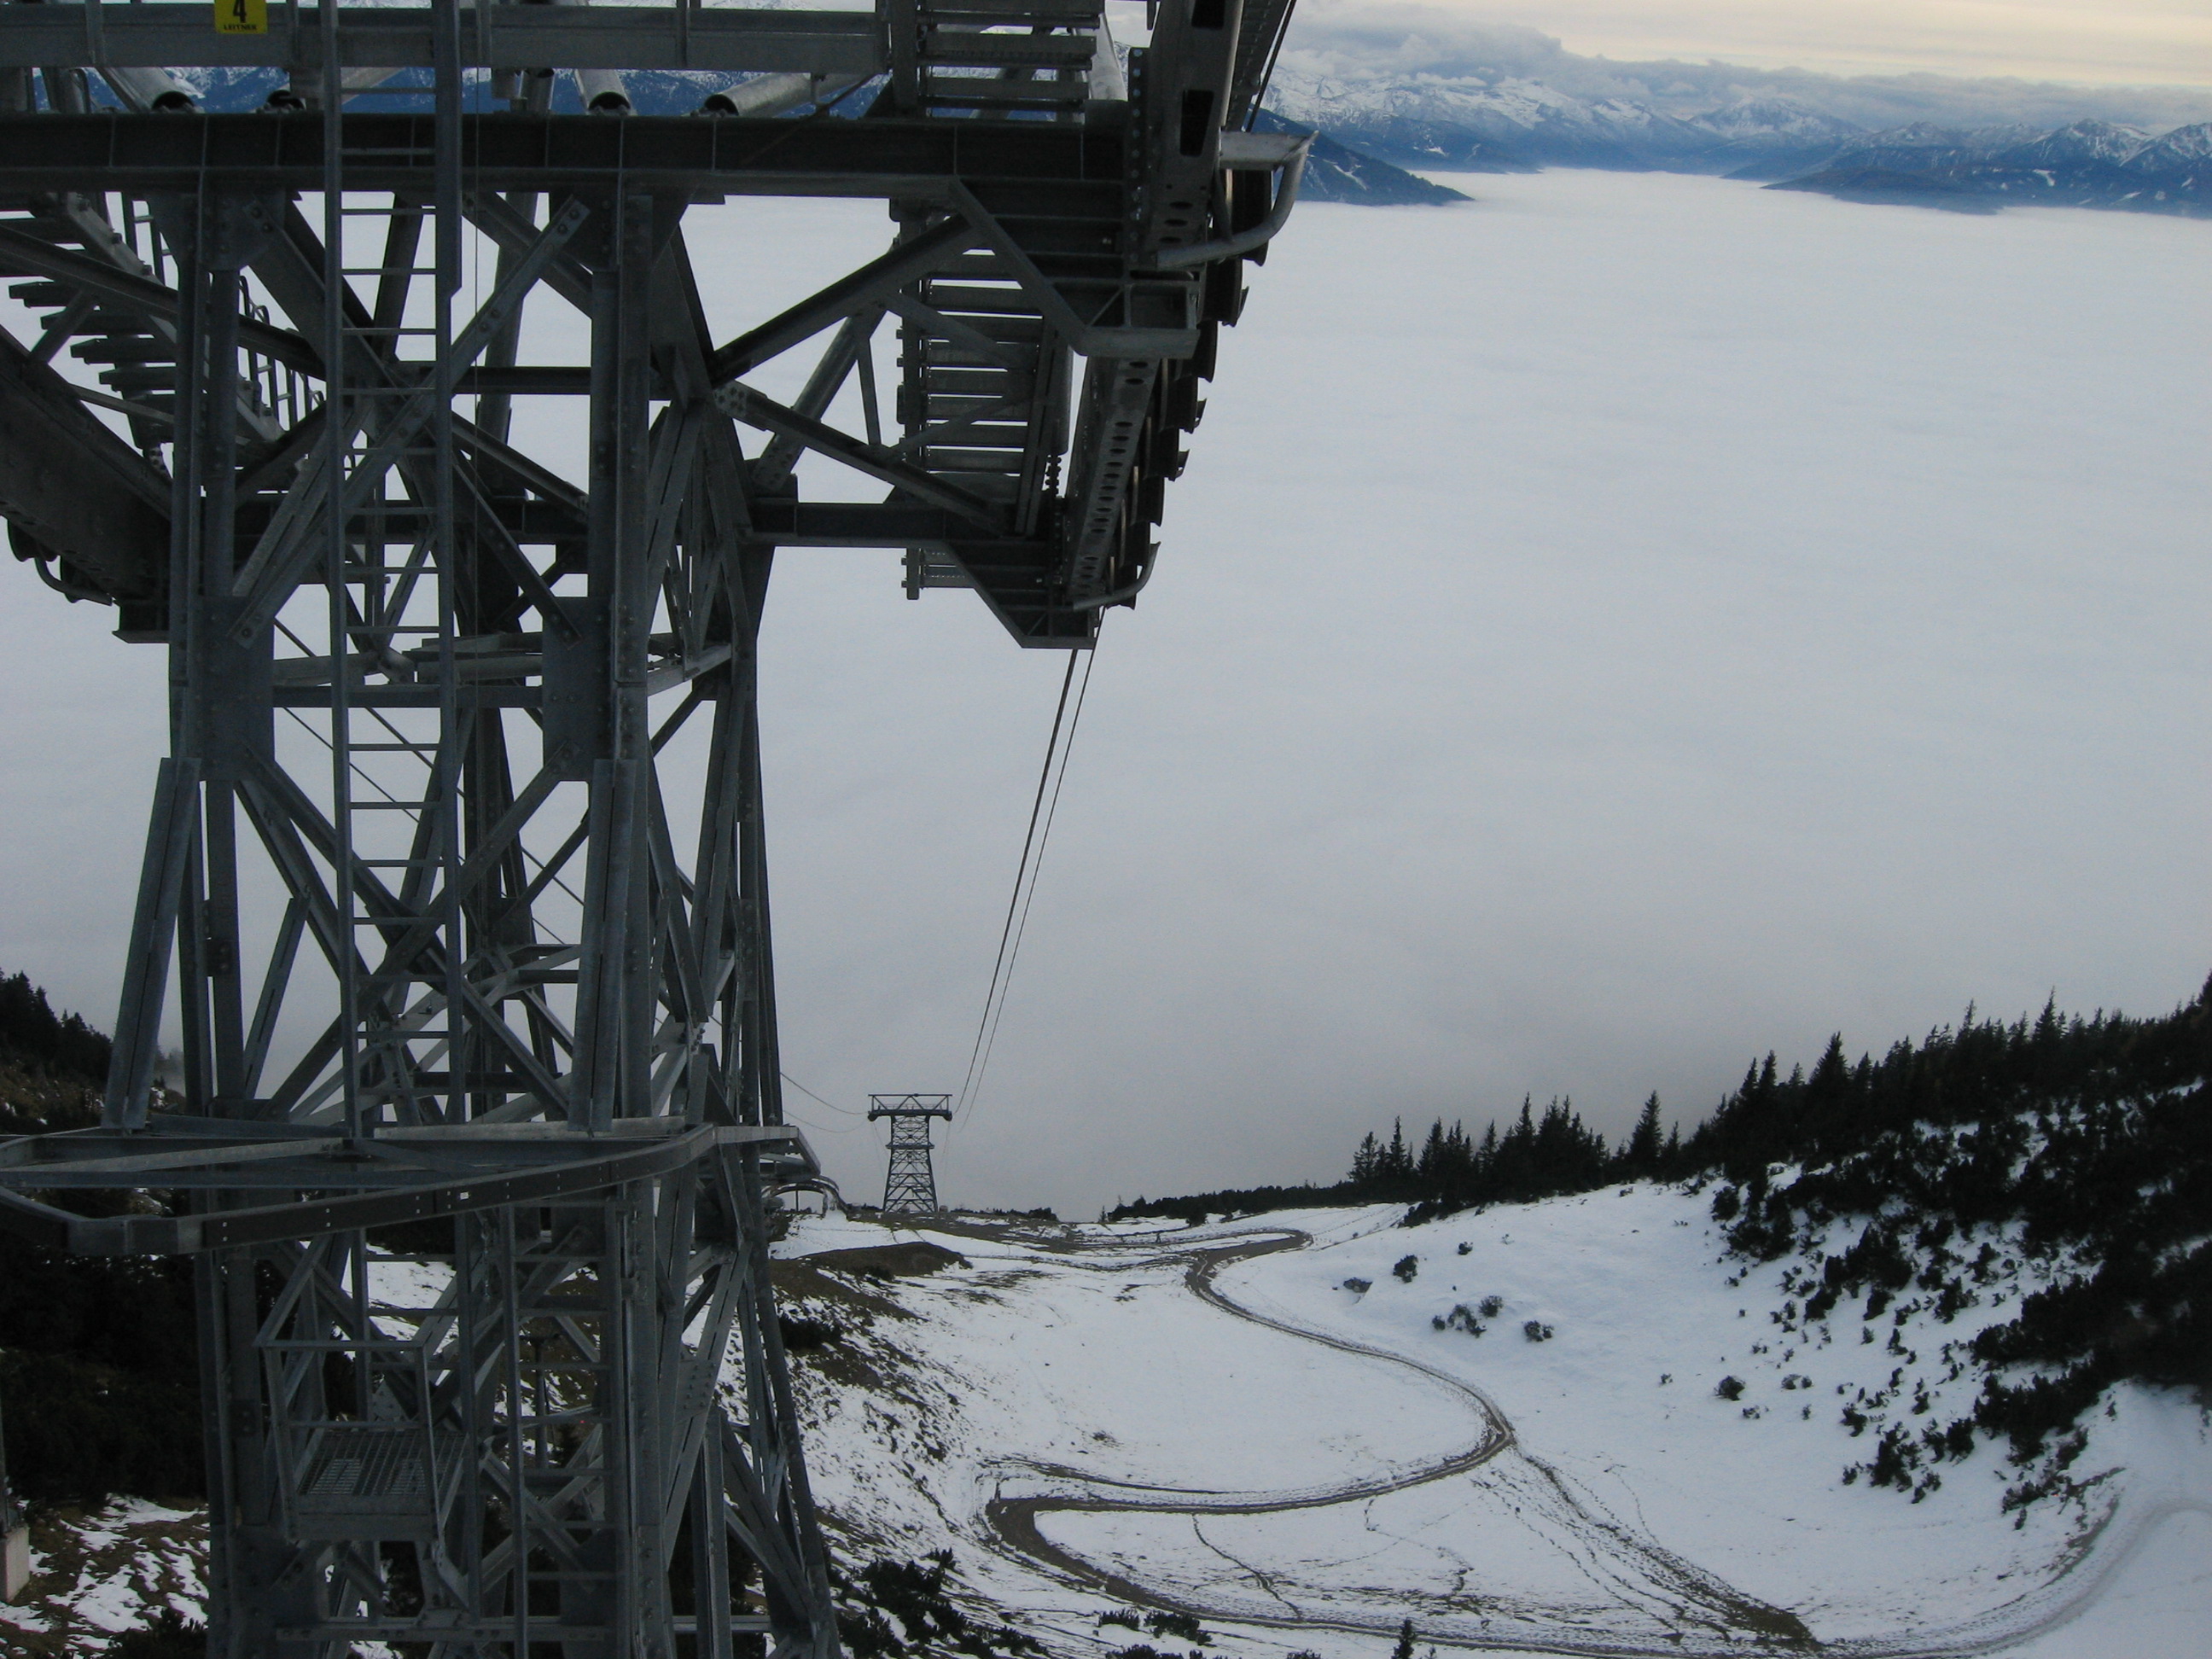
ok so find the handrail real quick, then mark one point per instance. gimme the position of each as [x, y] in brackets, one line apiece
[612, 1160]
[1292, 166]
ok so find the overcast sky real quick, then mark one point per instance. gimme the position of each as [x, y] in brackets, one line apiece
[2151, 41]
[1606, 631]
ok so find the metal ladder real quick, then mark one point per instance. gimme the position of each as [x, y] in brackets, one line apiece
[395, 775]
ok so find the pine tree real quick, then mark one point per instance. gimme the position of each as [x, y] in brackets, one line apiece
[1642, 1154]
[1430, 1168]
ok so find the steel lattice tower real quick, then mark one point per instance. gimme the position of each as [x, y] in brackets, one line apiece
[910, 1185]
[474, 981]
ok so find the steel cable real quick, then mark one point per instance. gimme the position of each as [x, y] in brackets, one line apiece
[1036, 867]
[1024, 881]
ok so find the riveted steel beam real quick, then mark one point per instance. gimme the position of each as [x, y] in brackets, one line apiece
[163, 34]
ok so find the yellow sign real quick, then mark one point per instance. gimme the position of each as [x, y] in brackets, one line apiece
[241, 16]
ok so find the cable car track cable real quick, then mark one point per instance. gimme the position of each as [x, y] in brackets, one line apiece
[1017, 918]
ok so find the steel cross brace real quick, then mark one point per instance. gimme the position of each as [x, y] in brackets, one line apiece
[459, 1011]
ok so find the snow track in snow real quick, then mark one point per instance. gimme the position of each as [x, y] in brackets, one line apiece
[1686, 1609]
[1212, 1421]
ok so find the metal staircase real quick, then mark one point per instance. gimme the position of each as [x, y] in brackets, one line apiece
[994, 59]
[137, 359]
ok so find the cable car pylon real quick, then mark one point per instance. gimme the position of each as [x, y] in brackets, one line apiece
[480, 1095]
[910, 1183]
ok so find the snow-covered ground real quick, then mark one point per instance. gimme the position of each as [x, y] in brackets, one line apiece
[95, 1575]
[1291, 1427]
[1601, 1495]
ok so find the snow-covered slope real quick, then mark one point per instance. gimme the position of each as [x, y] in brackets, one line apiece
[2082, 143]
[1576, 1426]
[1334, 173]
[1634, 1456]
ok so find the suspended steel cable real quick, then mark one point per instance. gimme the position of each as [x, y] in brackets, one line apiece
[816, 1098]
[1044, 807]
[1036, 868]
[1021, 872]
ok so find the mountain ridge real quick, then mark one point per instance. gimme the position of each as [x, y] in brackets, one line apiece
[1517, 126]
[2084, 164]
[1423, 88]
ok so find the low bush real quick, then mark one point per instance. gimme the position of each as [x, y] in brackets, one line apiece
[895, 1608]
[803, 1335]
[1183, 1626]
[172, 1636]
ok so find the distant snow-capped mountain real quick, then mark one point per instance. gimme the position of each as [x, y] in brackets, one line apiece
[1776, 119]
[2083, 144]
[2083, 164]
[2183, 151]
[1482, 122]
[1336, 173]
[1922, 147]
[1506, 124]
[1771, 138]
[1474, 120]
[1418, 83]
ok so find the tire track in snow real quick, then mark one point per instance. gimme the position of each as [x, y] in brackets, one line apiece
[1696, 1599]
[2075, 1583]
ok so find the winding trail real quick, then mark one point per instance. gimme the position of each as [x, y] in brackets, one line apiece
[1705, 1619]
[1702, 1603]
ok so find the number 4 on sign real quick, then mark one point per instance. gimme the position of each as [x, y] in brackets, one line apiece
[241, 16]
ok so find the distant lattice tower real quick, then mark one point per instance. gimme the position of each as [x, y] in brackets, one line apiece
[910, 1188]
